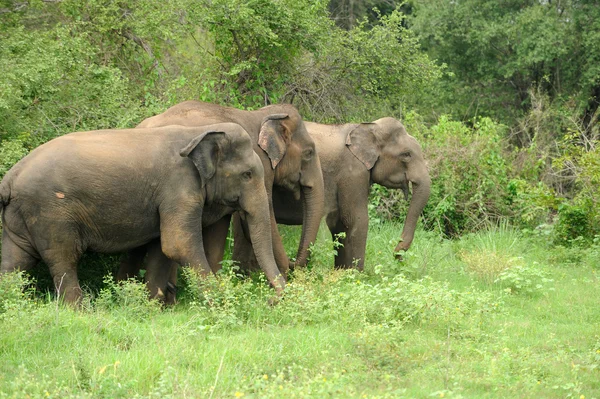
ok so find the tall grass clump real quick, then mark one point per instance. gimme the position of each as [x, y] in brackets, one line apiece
[497, 257]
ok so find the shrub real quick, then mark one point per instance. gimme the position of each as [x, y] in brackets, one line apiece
[524, 279]
[16, 292]
[226, 301]
[128, 296]
[488, 266]
[54, 85]
[11, 152]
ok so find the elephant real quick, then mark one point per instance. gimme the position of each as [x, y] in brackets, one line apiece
[353, 156]
[111, 191]
[290, 163]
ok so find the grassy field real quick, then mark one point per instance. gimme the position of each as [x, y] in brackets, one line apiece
[496, 314]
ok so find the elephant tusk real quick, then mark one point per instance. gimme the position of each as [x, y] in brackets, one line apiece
[405, 191]
[405, 188]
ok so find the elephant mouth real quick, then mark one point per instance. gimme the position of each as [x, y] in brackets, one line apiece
[294, 187]
[402, 184]
[232, 203]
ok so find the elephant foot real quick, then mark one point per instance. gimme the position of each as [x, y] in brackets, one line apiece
[275, 299]
[171, 294]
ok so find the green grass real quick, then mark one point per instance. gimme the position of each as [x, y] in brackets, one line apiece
[493, 314]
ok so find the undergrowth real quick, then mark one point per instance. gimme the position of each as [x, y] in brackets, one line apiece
[497, 308]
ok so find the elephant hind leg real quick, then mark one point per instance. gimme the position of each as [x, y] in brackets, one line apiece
[14, 257]
[131, 263]
[62, 258]
[64, 275]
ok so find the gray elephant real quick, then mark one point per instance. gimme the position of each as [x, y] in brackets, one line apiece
[115, 190]
[289, 159]
[353, 156]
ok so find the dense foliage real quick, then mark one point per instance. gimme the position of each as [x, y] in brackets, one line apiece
[503, 97]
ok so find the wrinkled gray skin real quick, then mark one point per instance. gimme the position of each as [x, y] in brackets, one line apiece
[114, 190]
[353, 156]
[290, 162]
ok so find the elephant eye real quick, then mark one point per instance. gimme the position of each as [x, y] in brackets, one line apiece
[247, 175]
[307, 154]
[405, 154]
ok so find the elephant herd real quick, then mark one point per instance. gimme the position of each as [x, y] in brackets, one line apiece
[167, 191]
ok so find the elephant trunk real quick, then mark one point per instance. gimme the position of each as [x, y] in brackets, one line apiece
[259, 226]
[420, 195]
[313, 200]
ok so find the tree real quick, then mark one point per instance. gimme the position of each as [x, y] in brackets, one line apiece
[499, 52]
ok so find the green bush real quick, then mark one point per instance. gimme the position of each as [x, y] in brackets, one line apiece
[128, 296]
[11, 152]
[227, 301]
[54, 85]
[524, 279]
[16, 293]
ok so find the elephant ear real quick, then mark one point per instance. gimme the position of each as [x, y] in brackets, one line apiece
[361, 141]
[275, 136]
[204, 150]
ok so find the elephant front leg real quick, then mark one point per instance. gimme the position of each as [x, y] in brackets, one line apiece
[215, 240]
[355, 225]
[181, 239]
[242, 247]
[161, 274]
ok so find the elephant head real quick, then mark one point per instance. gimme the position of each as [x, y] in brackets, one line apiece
[231, 171]
[394, 159]
[233, 175]
[291, 150]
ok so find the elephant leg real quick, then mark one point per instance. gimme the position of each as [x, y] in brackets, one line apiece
[62, 262]
[161, 274]
[356, 226]
[131, 263]
[340, 255]
[281, 258]
[15, 257]
[242, 247]
[215, 239]
[171, 294]
[181, 238]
